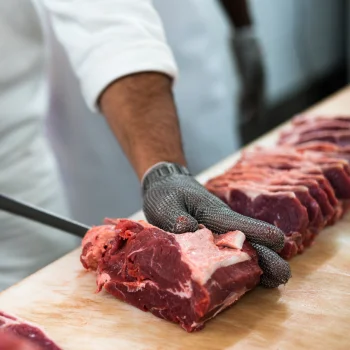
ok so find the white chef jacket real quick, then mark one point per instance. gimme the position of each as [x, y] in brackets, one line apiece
[105, 40]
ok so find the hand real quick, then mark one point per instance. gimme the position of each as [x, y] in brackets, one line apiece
[250, 68]
[174, 201]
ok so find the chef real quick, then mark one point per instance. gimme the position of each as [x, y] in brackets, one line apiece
[126, 71]
[206, 46]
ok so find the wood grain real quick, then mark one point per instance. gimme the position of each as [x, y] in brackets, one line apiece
[311, 312]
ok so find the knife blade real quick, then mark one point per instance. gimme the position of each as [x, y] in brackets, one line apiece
[42, 216]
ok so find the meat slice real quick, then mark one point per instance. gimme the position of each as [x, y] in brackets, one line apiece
[301, 186]
[308, 131]
[321, 146]
[279, 185]
[11, 342]
[308, 169]
[315, 217]
[22, 335]
[318, 217]
[187, 279]
[338, 137]
[316, 119]
[337, 171]
[330, 150]
[274, 205]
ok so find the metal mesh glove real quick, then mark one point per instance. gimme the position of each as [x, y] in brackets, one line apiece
[175, 202]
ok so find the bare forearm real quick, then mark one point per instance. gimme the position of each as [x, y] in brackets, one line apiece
[238, 12]
[141, 113]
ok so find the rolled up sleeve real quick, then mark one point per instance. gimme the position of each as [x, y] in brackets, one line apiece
[108, 39]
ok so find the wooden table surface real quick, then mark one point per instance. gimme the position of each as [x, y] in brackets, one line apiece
[311, 312]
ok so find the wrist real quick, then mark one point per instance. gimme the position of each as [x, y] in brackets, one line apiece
[160, 170]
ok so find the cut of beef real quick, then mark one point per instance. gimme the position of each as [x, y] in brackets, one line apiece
[300, 186]
[337, 171]
[329, 138]
[338, 137]
[24, 335]
[314, 130]
[187, 278]
[316, 119]
[277, 205]
[11, 342]
[315, 184]
[327, 149]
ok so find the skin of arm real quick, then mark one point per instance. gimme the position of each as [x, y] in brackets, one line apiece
[141, 112]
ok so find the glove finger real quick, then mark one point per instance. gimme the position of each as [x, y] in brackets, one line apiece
[276, 271]
[221, 219]
[172, 217]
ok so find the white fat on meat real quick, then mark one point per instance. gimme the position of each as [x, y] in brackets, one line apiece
[252, 189]
[256, 191]
[234, 240]
[204, 257]
[185, 291]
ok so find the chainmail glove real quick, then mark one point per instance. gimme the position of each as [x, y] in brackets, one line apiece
[175, 202]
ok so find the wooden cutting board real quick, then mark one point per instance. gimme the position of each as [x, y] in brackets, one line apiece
[311, 312]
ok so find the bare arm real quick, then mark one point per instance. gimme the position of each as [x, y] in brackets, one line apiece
[238, 12]
[141, 112]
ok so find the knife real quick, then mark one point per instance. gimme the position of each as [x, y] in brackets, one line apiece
[42, 216]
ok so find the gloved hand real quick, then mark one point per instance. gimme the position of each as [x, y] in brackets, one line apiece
[250, 68]
[176, 202]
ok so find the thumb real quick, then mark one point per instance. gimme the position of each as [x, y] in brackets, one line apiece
[184, 222]
[172, 217]
[276, 271]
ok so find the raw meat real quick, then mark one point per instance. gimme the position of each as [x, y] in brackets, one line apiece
[303, 190]
[301, 186]
[338, 137]
[315, 130]
[308, 128]
[318, 187]
[336, 170]
[24, 335]
[326, 148]
[329, 138]
[187, 278]
[316, 119]
[281, 208]
[11, 342]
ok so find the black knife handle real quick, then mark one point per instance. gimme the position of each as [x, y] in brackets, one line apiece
[28, 211]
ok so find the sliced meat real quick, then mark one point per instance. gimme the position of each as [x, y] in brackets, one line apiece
[11, 342]
[327, 149]
[316, 219]
[315, 119]
[309, 168]
[336, 170]
[318, 186]
[338, 137]
[280, 208]
[294, 133]
[24, 335]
